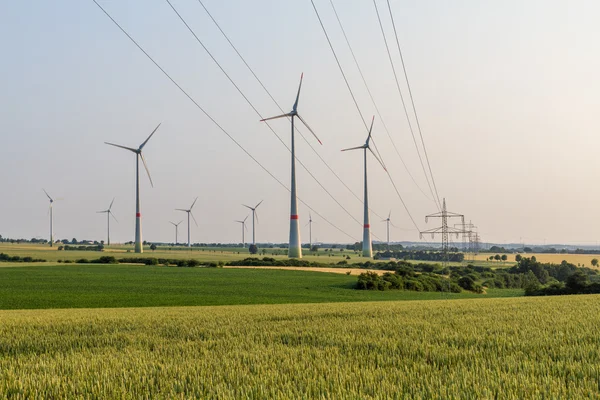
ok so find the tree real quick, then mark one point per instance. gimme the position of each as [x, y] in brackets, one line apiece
[518, 258]
[594, 262]
[253, 249]
[497, 257]
[315, 248]
[152, 247]
[504, 257]
[578, 281]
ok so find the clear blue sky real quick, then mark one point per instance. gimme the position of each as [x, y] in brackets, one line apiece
[507, 94]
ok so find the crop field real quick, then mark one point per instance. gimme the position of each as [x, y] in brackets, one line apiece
[331, 256]
[99, 286]
[522, 348]
[585, 260]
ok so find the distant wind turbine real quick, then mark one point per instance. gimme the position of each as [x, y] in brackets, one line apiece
[295, 249]
[189, 212]
[367, 248]
[243, 231]
[108, 215]
[310, 230]
[254, 218]
[388, 221]
[138, 215]
[176, 225]
[51, 217]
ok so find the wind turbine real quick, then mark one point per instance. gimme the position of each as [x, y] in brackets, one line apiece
[254, 217]
[51, 217]
[243, 231]
[176, 225]
[367, 248]
[295, 250]
[388, 221]
[138, 215]
[189, 212]
[310, 230]
[108, 214]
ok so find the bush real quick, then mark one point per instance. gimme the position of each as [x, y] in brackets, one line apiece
[466, 282]
[83, 261]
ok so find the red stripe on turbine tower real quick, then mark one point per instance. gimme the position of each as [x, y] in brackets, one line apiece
[293, 217]
[367, 226]
[138, 215]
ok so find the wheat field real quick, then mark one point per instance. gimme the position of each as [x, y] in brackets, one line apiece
[491, 348]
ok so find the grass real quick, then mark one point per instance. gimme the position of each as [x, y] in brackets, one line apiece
[521, 348]
[98, 286]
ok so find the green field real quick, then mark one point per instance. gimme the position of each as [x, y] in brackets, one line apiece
[93, 286]
[203, 254]
[522, 348]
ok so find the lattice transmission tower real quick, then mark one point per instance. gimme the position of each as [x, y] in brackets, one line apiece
[444, 230]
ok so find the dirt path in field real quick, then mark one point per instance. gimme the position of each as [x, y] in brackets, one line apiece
[353, 271]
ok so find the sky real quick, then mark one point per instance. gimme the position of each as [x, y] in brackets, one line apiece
[506, 94]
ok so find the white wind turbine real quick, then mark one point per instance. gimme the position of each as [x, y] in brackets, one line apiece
[367, 248]
[388, 222]
[244, 228]
[176, 225]
[51, 217]
[310, 221]
[254, 218]
[189, 212]
[138, 215]
[295, 250]
[108, 215]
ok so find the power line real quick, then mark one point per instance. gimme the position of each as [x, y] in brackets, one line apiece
[412, 101]
[374, 103]
[255, 110]
[403, 102]
[211, 118]
[358, 108]
[277, 104]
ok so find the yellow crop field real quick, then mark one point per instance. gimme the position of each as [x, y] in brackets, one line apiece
[519, 348]
[585, 260]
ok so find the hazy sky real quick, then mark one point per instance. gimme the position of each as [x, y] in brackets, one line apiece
[507, 94]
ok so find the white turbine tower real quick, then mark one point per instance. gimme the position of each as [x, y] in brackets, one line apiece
[388, 221]
[254, 218]
[294, 251]
[138, 215]
[108, 215]
[189, 212]
[176, 225]
[244, 228]
[51, 217]
[367, 248]
[310, 230]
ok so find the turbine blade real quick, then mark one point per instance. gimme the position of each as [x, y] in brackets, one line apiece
[193, 203]
[111, 204]
[377, 158]
[113, 215]
[258, 204]
[390, 214]
[147, 170]
[123, 147]
[179, 222]
[276, 117]
[370, 130]
[309, 128]
[146, 141]
[298, 95]
[354, 148]
[247, 206]
[47, 194]
[245, 218]
[256, 215]
[194, 218]
[181, 209]
[172, 223]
